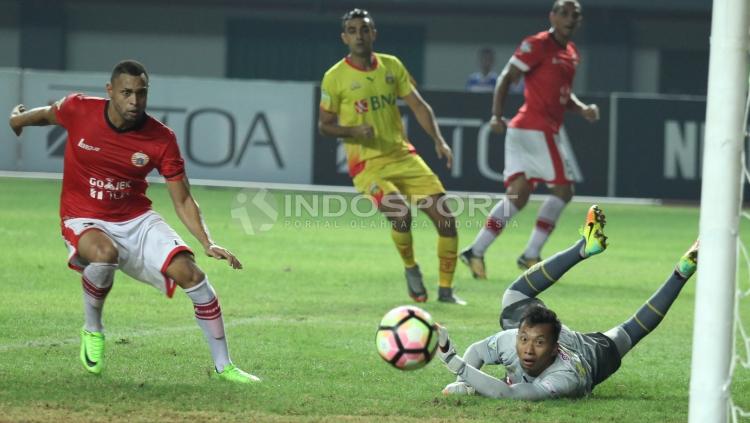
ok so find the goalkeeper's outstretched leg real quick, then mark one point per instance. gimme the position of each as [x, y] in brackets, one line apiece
[652, 312]
[523, 291]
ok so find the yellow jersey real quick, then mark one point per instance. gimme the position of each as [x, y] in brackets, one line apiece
[358, 96]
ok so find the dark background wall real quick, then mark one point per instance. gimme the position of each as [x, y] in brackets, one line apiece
[627, 45]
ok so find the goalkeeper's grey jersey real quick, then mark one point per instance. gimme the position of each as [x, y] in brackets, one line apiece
[570, 375]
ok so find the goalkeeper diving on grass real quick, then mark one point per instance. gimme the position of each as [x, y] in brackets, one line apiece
[544, 359]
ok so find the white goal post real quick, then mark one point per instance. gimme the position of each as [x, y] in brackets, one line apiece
[713, 331]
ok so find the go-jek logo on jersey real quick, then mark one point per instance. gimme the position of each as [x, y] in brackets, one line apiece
[108, 189]
[374, 103]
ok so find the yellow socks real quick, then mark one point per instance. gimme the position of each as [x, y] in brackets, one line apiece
[447, 254]
[405, 247]
[447, 249]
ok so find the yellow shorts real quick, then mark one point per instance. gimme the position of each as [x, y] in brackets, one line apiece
[401, 172]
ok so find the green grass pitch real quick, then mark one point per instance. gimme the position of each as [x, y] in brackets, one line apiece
[303, 313]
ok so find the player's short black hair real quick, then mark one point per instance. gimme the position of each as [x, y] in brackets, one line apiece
[558, 4]
[128, 67]
[356, 14]
[538, 314]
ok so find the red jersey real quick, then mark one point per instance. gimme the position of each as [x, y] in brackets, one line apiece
[104, 171]
[548, 69]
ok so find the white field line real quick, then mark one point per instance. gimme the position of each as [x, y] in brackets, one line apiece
[272, 186]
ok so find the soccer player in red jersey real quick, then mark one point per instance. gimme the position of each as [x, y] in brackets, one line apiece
[107, 221]
[547, 61]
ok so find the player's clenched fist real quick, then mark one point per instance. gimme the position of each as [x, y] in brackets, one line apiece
[590, 113]
[14, 125]
[497, 125]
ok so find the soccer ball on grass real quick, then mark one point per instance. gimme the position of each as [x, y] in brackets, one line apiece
[407, 338]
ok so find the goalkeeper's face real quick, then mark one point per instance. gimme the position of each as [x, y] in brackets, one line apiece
[536, 347]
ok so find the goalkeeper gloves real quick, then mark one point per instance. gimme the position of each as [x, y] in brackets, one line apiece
[447, 352]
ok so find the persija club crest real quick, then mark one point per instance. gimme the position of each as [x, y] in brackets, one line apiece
[139, 159]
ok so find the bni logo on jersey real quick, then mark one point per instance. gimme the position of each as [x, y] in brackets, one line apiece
[361, 106]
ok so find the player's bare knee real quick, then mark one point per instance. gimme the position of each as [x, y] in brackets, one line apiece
[184, 271]
[400, 218]
[95, 246]
[397, 212]
[518, 192]
[401, 224]
[189, 278]
[196, 276]
[442, 207]
[103, 252]
[563, 192]
[520, 198]
[446, 227]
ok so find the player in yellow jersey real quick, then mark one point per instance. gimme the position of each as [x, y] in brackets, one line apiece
[358, 105]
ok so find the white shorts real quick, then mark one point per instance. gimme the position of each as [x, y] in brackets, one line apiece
[145, 246]
[541, 156]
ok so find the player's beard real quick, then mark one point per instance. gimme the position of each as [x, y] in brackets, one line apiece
[133, 117]
[129, 116]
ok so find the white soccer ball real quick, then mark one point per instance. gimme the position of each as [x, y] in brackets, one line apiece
[407, 338]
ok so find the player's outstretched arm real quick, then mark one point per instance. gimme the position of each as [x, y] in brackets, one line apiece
[492, 387]
[483, 383]
[590, 112]
[328, 126]
[510, 75]
[39, 116]
[426, 118]
[190, 215]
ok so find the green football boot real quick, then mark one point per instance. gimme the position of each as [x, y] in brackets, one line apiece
[688, 262]
[593, 232]
[92, 351]
[232, 373]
